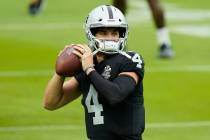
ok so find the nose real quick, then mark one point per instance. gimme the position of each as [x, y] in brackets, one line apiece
[111, 36]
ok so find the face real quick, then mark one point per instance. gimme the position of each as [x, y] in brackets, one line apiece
[108, 34]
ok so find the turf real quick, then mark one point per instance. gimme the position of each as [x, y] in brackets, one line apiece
[175, 90]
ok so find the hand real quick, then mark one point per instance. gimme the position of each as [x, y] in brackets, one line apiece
[85, 55]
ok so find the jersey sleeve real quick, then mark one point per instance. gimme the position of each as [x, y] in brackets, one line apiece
[82, 80]
[133, 62]
[79, 77]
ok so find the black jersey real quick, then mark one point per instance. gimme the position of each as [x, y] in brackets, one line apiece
[124, 118]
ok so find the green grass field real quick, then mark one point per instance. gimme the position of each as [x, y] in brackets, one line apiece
[177, 91]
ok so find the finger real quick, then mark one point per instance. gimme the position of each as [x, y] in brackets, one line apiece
[78, 48]
[85, 47]
[77, 53]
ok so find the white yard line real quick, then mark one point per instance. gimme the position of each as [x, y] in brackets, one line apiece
[186, 68]
[26, 73]
[40, 26]
[40, 73]
[179, 124]
[41, 127]
[193, 124]
[193, 30]
[138, 13]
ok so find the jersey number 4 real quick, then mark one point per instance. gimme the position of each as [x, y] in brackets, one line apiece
[137, 59]
[95, 107]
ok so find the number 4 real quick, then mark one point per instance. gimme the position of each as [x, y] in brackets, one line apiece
[96, 107]
[136, 58]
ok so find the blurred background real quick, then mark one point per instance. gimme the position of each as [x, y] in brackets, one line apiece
[176, 91]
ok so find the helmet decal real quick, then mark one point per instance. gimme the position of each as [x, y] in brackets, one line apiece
[110, 12]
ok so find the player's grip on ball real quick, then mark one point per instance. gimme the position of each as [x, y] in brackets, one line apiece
[68, 64]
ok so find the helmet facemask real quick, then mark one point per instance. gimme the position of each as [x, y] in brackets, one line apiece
[99, 18]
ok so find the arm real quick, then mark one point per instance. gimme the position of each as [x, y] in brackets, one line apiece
[113, 91]
[117, 90]
[58, 93]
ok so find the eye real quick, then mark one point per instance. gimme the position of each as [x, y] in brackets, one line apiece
[115, 33]
[103, 32]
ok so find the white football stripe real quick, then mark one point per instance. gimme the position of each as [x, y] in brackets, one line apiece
[162, 125]
[138, 13]
[179, 124]
[193, 30]
[40, 26]
[41, 128]
[26, 73]
[186, 68]
[37, 73]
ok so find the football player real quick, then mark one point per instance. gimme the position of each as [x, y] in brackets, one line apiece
[110, 83]
[164, 43]
[35, 6]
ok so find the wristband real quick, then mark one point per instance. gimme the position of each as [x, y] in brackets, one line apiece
[89, 69]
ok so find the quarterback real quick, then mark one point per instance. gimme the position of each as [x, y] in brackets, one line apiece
[111, 81]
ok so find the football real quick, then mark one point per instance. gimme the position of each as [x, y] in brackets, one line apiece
[68, 64]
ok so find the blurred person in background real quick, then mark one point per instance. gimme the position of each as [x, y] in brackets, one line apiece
[35, 6]
[163, 38]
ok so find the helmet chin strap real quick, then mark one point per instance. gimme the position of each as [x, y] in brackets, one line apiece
[95, 52]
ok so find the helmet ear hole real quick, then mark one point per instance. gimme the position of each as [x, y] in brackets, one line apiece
[100, 19]
[93, 31]
[122, 32]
